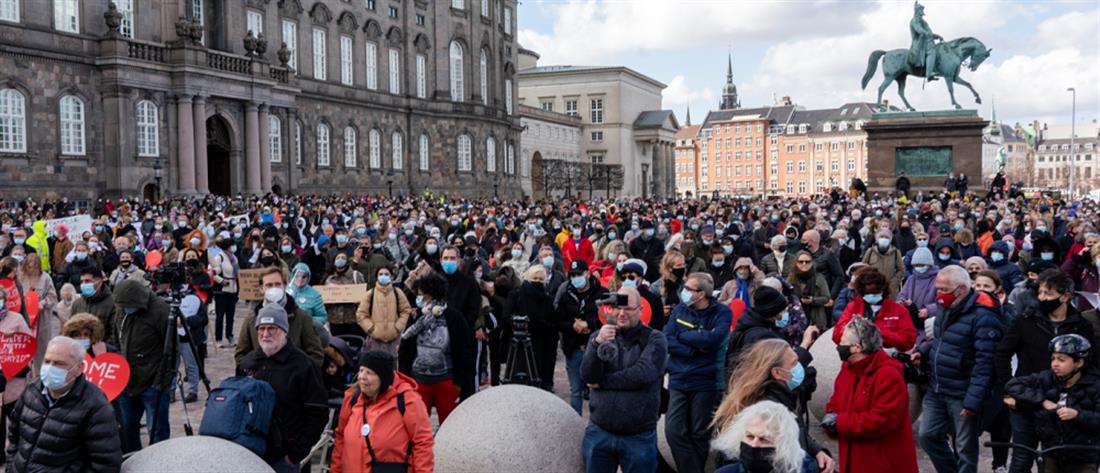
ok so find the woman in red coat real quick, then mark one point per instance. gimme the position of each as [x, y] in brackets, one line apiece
[869, 410]
[577, 247]
[873, 302]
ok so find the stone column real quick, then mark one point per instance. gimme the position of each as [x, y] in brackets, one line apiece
[265, 150]
[186, 145]
[252, 149]
[202, 172]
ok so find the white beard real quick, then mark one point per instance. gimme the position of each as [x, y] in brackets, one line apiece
[271, 348]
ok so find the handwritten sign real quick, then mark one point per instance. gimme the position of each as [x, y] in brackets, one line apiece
[342, 294]
[109, 371]
[77, 224]
[16, 351]
[249, 285]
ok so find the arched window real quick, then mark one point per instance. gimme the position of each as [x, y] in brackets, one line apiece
[71, 112]
[322, 145]
[464, 161]
[13, 122]
[490, 154]
[483, 76]
[375, 144]
[275, 138]
[398, 151]
[457, 92]
[349, 147]
[148, 131]
[425, 160]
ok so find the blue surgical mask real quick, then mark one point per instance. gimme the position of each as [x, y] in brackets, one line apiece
[944, 256]
[920, 243]
[883, 242]
[87, 289]
[685, 296]
[516, 254]
[727, 249]
[286, 248]
[619, 266]
[798, 374]
[420, 301]
[718, 264]
[650, 232]
[166, 244]
[611, 235]
[450, 267]
[548, 261]
[578, 281]
[920, 269]
[996, 257]
[340, 263]
[1047, 256]
[385, 281]
[431, 248]
[873, 299]
[630, 283]
[341, 239]
[958, 226]
[195, 241]
[1041, 229]
[783, 321]
[52, 377]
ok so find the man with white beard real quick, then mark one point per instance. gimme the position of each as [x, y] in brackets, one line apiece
[300, 398]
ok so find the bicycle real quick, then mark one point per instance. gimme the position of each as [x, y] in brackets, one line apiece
[1040, 453]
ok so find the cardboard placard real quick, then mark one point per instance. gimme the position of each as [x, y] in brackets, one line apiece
[16, 352]
[248, 283]
[109, 371]
[342, 293]
[77, 224]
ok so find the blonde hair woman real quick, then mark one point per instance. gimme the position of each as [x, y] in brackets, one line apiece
[764, 437]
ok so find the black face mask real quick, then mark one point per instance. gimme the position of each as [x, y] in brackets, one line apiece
[679, 273]
[756, 459]
[125, 264]
[845, 352]
[267, 260]
[1048, 307]
[225, 244]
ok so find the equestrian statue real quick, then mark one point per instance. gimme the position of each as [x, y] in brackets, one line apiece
[928, 56]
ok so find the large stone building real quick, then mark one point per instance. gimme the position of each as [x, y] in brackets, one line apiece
[622, 121]
[1053, 156]
[550, 137]
[687, 159]
[324, 96]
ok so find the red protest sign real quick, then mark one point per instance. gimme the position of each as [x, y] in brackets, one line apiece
[31, 300]
[16, 351]
[11, 291]
[109, 371]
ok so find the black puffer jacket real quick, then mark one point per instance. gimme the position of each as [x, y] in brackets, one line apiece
[101, 305]
[140, 335]
[77, 434]
[1029, 337]
[1030, 391]
[572, 305]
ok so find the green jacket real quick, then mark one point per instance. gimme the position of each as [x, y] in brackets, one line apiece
[302, 334]
[101, 305]
[140, 336]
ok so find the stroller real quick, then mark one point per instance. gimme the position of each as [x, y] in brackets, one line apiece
[343, 351]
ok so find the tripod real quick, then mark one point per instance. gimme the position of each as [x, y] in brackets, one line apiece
[172, 343]
[523, 369]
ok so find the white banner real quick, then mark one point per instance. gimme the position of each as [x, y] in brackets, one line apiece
[77, 225]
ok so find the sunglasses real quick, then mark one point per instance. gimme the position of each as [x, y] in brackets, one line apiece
[804, 262]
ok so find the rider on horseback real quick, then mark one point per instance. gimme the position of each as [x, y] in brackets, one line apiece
[922, 52]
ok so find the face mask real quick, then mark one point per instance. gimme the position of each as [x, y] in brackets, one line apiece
[233, 248]
[946, 300]
[944, 256]
[340, 263]
[873, 299]
[611, 235]
[18, 258]
[630, 283]
[845, 352]
[87, 289]
[431, 248]
[939, 219]
[743, 274]
[548, 261]
[921, 243]
[20, 241]
[450, 267]
[124, 264]
[1048, 307]
[618, 266]
[958, 226]
[727, 249]
[718, 264]
[195, 241]
[80, 255]
[86, 343]
[798, 374]
[780, 250]
[920, 269]
[384, 279]
[286, 248]
[516, 254]
[1041, 229]
[883, 242]
[53, 378]
[996, 257]
[166, 244]
[756, 459]
[420, 301]
[275, 294]
[1047, 256]
[685, 296]
[783, 321]
[341, 239]
[578, 281]
[649, 232]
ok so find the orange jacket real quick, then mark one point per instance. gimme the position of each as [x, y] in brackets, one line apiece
[985, 241]
[390, 431]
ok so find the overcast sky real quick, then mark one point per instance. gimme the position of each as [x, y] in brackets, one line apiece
[816, 51]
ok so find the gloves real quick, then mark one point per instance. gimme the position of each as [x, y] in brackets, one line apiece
[929, 327]
[829, 423]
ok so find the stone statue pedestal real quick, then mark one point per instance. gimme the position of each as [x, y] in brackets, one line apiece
[927, 146]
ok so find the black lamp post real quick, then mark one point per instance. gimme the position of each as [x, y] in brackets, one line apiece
[496, 184]
[157, 177]
[389, 181]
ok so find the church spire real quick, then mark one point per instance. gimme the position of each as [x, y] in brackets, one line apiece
[688, 116]
[729, 91]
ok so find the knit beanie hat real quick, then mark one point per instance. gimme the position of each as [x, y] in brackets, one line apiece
[922, 256]
[768, 302]
[382, 364]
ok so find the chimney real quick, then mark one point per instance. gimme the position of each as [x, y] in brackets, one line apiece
[886, 104]
[786, 101]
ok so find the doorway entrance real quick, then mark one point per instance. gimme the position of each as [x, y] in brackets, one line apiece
[218, 144]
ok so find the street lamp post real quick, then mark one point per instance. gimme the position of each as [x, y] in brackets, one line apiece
[157, 177]
[389, 181]
[1072, 137]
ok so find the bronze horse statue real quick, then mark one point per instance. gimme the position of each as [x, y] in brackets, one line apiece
[952, 56]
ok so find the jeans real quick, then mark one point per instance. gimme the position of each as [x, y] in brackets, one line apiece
[1023, 433]
[687, 427]
[191, 366]
[941, 423]
[225, 309]
[131, 408]
[576, 384]
[604, 451]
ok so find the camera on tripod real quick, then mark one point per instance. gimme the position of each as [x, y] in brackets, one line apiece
[521, 326]
[520, 364]
[172, 274]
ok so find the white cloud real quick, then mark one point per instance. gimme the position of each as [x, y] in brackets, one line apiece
[679, 93]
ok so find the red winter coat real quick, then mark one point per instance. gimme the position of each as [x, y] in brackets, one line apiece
[892, 319]
[570, 251]
[873, 426]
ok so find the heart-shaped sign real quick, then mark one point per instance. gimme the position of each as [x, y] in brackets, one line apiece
[31, 301]
[109, 371]
[16, 351]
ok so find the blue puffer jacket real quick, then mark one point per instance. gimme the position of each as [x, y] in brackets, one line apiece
[1008, 271]
[961, 356]
[307, 298]
[697, 342]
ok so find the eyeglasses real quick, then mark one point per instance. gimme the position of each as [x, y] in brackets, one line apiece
[691, 289]
[804, 261]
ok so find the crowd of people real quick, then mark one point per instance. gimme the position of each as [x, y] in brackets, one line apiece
[970, 313]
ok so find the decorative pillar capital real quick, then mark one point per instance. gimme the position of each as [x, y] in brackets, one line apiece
[183, 98]
[199, 99]
[251, 107]
[263, 108]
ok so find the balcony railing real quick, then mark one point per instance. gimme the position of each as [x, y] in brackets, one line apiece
[216, 60]
[228, 63]
[145, 51]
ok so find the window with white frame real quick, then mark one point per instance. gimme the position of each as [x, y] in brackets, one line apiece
[375, 144]
[290, 37]
[66, 15]
[275, 138]
[197, 11]
[597, 136]
[322, 145]
[790, 166]
[465, 162]
[423, 151]
[319, 55]
[483, 76]
[395, 71]
[571, 107]
[148, 132]
[596, 109]
[507, 20]
[485, 8]
[372, 66]
[9, 10]
[490, 154]
[508, 96]
[297, 142]
[457, 92]
[71, 113]
[347, 76]
[459, 4]
[255, 22]
[350, 147]
[398, 150]
[510, 159]
[126, 8]
[421, 76]
[394, 12]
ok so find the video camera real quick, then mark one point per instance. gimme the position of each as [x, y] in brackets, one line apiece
[615, 300]
[172, 274]
[521, 326]
[912, 374]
